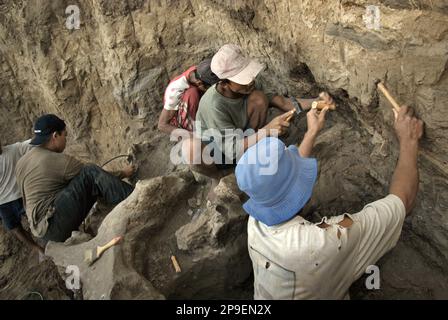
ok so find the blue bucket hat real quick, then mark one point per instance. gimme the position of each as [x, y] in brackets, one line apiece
[277, 179]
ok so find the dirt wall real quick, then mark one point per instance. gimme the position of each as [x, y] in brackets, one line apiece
[106, 79]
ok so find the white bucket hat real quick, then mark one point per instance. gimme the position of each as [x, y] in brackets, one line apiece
[230, 63]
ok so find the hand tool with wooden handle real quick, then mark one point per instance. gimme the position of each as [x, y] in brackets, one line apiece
[319, 105]
[291, 114]
[175, 264]
[90, 256]
[389, 97]
[174, 259]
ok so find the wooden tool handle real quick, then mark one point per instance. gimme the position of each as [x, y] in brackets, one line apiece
[291, 115]
[111, 243]
[389, 97]
[319, 105]
[175, 264]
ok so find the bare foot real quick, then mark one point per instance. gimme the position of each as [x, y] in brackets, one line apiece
[211, 194]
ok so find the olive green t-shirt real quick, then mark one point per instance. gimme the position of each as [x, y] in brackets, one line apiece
[41, 174]
[218, 112]
[218, 119]
[224, 120]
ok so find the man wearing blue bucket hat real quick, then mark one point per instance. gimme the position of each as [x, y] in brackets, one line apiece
[295, 259]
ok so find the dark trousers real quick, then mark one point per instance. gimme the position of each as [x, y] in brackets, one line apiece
[74, 202]
[11, 214]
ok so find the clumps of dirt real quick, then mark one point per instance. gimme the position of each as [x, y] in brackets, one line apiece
[23, 277]
[356, 158]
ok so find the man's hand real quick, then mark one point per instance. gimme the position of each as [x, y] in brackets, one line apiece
[407, 127]
[315, 120]
[306, 104]
[325, 97]
[128, 171]
[279, 124]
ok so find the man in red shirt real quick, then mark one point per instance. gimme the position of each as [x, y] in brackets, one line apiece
[181, 98]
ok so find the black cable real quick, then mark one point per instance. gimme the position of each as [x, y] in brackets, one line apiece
[120, 156]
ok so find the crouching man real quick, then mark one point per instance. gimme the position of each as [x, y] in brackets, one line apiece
[296, 259]
[58, 190]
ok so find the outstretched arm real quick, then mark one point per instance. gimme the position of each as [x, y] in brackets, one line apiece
[286, 104]
[405, 179]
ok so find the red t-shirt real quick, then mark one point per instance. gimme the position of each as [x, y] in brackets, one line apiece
[182, 97]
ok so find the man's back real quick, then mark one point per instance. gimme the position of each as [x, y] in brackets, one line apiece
[300, 260]
[41, 174]
[9, 191]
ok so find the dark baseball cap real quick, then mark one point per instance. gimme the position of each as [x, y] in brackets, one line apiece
[205, 73]
[45, 126]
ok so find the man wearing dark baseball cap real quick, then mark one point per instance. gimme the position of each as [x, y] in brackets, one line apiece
[45, 126]
[58, 190]
[234, 104]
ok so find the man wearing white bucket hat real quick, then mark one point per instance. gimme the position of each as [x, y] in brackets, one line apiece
[232, 106]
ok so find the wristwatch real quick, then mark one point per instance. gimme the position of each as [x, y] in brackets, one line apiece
[296, 104]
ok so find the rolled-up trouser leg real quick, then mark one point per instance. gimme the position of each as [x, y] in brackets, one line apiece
[74, 202]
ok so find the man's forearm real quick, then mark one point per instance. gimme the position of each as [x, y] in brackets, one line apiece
[306, 103]
[164, 123]
[405, 178]
[307, 144]
[166, 128]
[282, 103]
[285, 104]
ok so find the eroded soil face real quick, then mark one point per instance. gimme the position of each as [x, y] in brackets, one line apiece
[107, 80]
